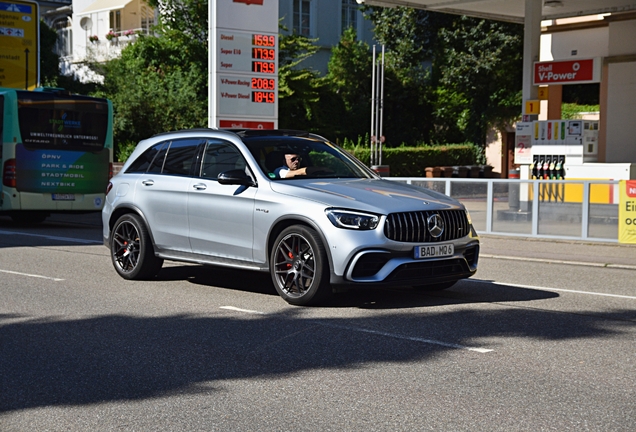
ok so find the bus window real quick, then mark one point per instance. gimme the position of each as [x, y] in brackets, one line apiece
[60, 122]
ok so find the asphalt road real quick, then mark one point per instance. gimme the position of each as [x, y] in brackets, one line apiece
[542, 338]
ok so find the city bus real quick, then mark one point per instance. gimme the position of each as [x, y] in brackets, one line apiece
[56, 153]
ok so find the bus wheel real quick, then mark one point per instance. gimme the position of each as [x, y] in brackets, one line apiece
[29, 217]
[131, 249]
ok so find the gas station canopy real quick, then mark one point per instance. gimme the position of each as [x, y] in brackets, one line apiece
[512, 10]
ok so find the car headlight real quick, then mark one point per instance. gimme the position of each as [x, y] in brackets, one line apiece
[470, 221]
[352, 219]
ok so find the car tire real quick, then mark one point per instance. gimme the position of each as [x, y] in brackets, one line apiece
[131, 249]
[435, 287]
[299, 266]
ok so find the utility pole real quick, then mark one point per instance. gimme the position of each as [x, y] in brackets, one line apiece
[377, 105]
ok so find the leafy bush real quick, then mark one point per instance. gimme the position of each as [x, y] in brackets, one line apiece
[572, 111]
[412, 161]
[124, 150]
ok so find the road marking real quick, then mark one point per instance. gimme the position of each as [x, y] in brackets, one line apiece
[68, 239]
[555, 289]
[548, 261]
[31, 275]
[410, 338]
[376, 332]
[232, 308]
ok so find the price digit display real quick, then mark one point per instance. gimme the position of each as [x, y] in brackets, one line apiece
[263, 53]
[264, 67]
[263, 40]
[263, 83]
[263, 97]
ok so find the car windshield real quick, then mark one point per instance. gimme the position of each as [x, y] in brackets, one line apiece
[322, 158]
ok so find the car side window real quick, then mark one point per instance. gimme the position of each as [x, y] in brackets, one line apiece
[220, 156]
[157, 164]
[146, 159]
[180, 157]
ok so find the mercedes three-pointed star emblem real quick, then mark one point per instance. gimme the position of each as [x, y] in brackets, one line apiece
[435, 225]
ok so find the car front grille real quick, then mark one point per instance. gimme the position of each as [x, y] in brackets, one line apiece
[412, 226]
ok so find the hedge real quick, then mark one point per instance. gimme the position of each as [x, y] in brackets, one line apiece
[412, 161]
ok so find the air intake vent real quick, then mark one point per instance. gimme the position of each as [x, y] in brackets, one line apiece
[413, 227]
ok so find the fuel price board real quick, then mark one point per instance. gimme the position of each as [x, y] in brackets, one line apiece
[247, 73]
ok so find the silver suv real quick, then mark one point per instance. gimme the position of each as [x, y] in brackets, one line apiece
[286, 202]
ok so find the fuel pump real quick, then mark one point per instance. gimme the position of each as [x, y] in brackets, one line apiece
[546, 168]
[540, 168]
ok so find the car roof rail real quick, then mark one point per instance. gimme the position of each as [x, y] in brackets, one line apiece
[268, 132]
[185, 130]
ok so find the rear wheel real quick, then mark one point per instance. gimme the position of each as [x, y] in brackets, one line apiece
[131, 249]
[299, 266]
[435, 287]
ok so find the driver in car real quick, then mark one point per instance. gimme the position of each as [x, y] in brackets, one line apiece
[292, 167]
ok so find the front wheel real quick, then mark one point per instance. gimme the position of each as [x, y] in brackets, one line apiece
[299, 266]
[131, 249]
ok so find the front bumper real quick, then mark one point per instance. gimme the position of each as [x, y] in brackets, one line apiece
[381, 267]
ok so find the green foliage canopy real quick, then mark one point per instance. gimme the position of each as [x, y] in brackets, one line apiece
[465, 71]
[159, 83]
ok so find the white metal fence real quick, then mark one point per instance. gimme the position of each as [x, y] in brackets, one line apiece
[560, 209]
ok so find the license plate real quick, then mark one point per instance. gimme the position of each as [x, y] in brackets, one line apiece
[434, 251]
[63, 197]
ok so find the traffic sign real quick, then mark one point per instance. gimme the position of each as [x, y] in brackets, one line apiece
[19, 44]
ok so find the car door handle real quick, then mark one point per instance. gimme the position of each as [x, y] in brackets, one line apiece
[148, 182]
[200, 186]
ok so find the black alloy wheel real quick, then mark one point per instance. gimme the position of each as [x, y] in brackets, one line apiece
[299, 266]
[131, 250]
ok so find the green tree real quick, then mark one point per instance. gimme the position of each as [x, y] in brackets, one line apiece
[156, 85]
[482, 63]
[461, 76]
[350, 70]
[346, 104]
[299, 89]
[159, 82]
[187, 17]
[49, 60]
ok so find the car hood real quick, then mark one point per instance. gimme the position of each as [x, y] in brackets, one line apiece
[374, 195]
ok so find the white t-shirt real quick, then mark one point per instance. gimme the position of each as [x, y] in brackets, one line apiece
[282, 172]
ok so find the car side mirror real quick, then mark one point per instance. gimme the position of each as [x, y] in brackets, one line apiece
[235, 177]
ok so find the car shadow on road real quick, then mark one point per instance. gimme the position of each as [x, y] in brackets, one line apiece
[465, 291]
[57, 361]
[219, 277]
